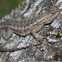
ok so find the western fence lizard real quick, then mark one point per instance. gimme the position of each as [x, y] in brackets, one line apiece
[20, 28]
[9, 26]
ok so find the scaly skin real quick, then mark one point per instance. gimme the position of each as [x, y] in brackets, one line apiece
[33, 28]
[15, 26]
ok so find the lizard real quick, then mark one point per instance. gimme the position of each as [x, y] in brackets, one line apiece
[8, 27]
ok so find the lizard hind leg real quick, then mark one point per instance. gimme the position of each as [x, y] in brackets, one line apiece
[38, 37]
[6, 33]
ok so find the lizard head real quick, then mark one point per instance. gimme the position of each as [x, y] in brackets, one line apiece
[6, 33]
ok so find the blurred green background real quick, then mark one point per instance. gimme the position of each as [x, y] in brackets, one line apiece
[6, 6]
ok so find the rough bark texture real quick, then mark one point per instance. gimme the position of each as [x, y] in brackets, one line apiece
[30, 50]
